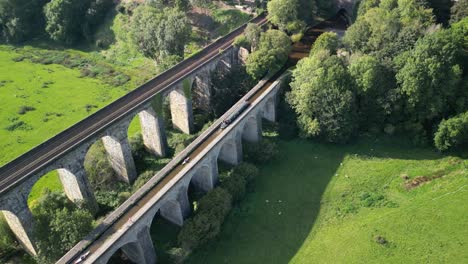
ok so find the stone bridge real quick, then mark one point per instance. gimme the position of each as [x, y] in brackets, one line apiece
[70, 163]
[168, 198]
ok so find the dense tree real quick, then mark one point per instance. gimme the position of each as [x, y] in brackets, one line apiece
[389, 29]
[459, 11]
[452, 132]
[283, 12]
[375, 90]
[94, 15]
[20, 19]
[252, 33]
[272, 53]
[63, 19]
[59, 225]
[429, 77]
[327, 41]
[159, 33]
[322, 95]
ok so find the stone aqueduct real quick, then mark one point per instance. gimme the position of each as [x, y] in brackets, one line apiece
[70, 166]
[172, 201]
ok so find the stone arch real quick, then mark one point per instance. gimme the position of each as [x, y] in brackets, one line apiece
[230, 150]
[176, 206]
[204, 178]
[252, 129]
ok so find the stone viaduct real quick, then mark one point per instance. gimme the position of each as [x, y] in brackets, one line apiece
[169, 199]
[70, 166]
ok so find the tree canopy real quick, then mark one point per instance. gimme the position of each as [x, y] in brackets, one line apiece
[160, 33]
[271, 55]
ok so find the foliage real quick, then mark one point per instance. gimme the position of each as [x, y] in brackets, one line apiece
[59, 225]
[452, 132]
[236, 186]
[247, 170]
[272, 53]
[429, 77]
[143, 178]
[228, 87]
[20, 20]
[99, 171]
[8, 242]
[159, 33]
[67, 20]
[389, 29]
[375, 90]
[252, 34]
[326, 41]
[459, 11]
[207, 221]
[241, 41]
[261, 152]
[282, 12]
[322, 94]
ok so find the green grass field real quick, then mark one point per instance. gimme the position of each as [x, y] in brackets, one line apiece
[320, 203]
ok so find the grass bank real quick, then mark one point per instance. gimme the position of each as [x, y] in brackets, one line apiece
[374, 201]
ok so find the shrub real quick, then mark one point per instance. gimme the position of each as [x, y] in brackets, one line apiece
[25, 108]
[247, 170]
[206, 223]
[452, 132]
[143, 178]
[235, 184]
[100, 173]
[261, 152]
[241, 41]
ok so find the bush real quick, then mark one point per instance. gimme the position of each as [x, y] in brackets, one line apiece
[235, 184]
[241, 41]
[206, 223]
[100, 173]
[452, 132]
[247, 170]
[261, 152]
[143, 178]
[25, 108]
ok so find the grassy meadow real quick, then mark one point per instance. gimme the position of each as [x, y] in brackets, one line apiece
[374, 201]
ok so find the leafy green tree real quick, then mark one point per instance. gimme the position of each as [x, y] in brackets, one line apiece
[375, 90]
[20, 20]
[322, 95]
[94, 15]
[429, 77]
[271, 55]
[182, 5]
[160, 33]
[452, 132]
[283, 12]
[459, 11]
[64, 18]
[59, 225]
[327, 41]
[388, 29]
[252, 33]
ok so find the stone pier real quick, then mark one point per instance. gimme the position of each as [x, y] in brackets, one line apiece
[142, 250]
[152, 130]
[181, 108]
[76, 186]
[231, 152]
[120, 157]
[253, 130]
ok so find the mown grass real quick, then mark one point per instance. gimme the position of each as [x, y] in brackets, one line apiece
[320, 203]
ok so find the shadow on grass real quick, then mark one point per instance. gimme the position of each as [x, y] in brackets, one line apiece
[271, 224]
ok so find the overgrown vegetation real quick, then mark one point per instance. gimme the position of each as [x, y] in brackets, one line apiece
[394, 72]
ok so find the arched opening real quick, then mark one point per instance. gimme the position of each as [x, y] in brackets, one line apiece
[164, 236]
[109, 189]
[125, 255]
[203, 180]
